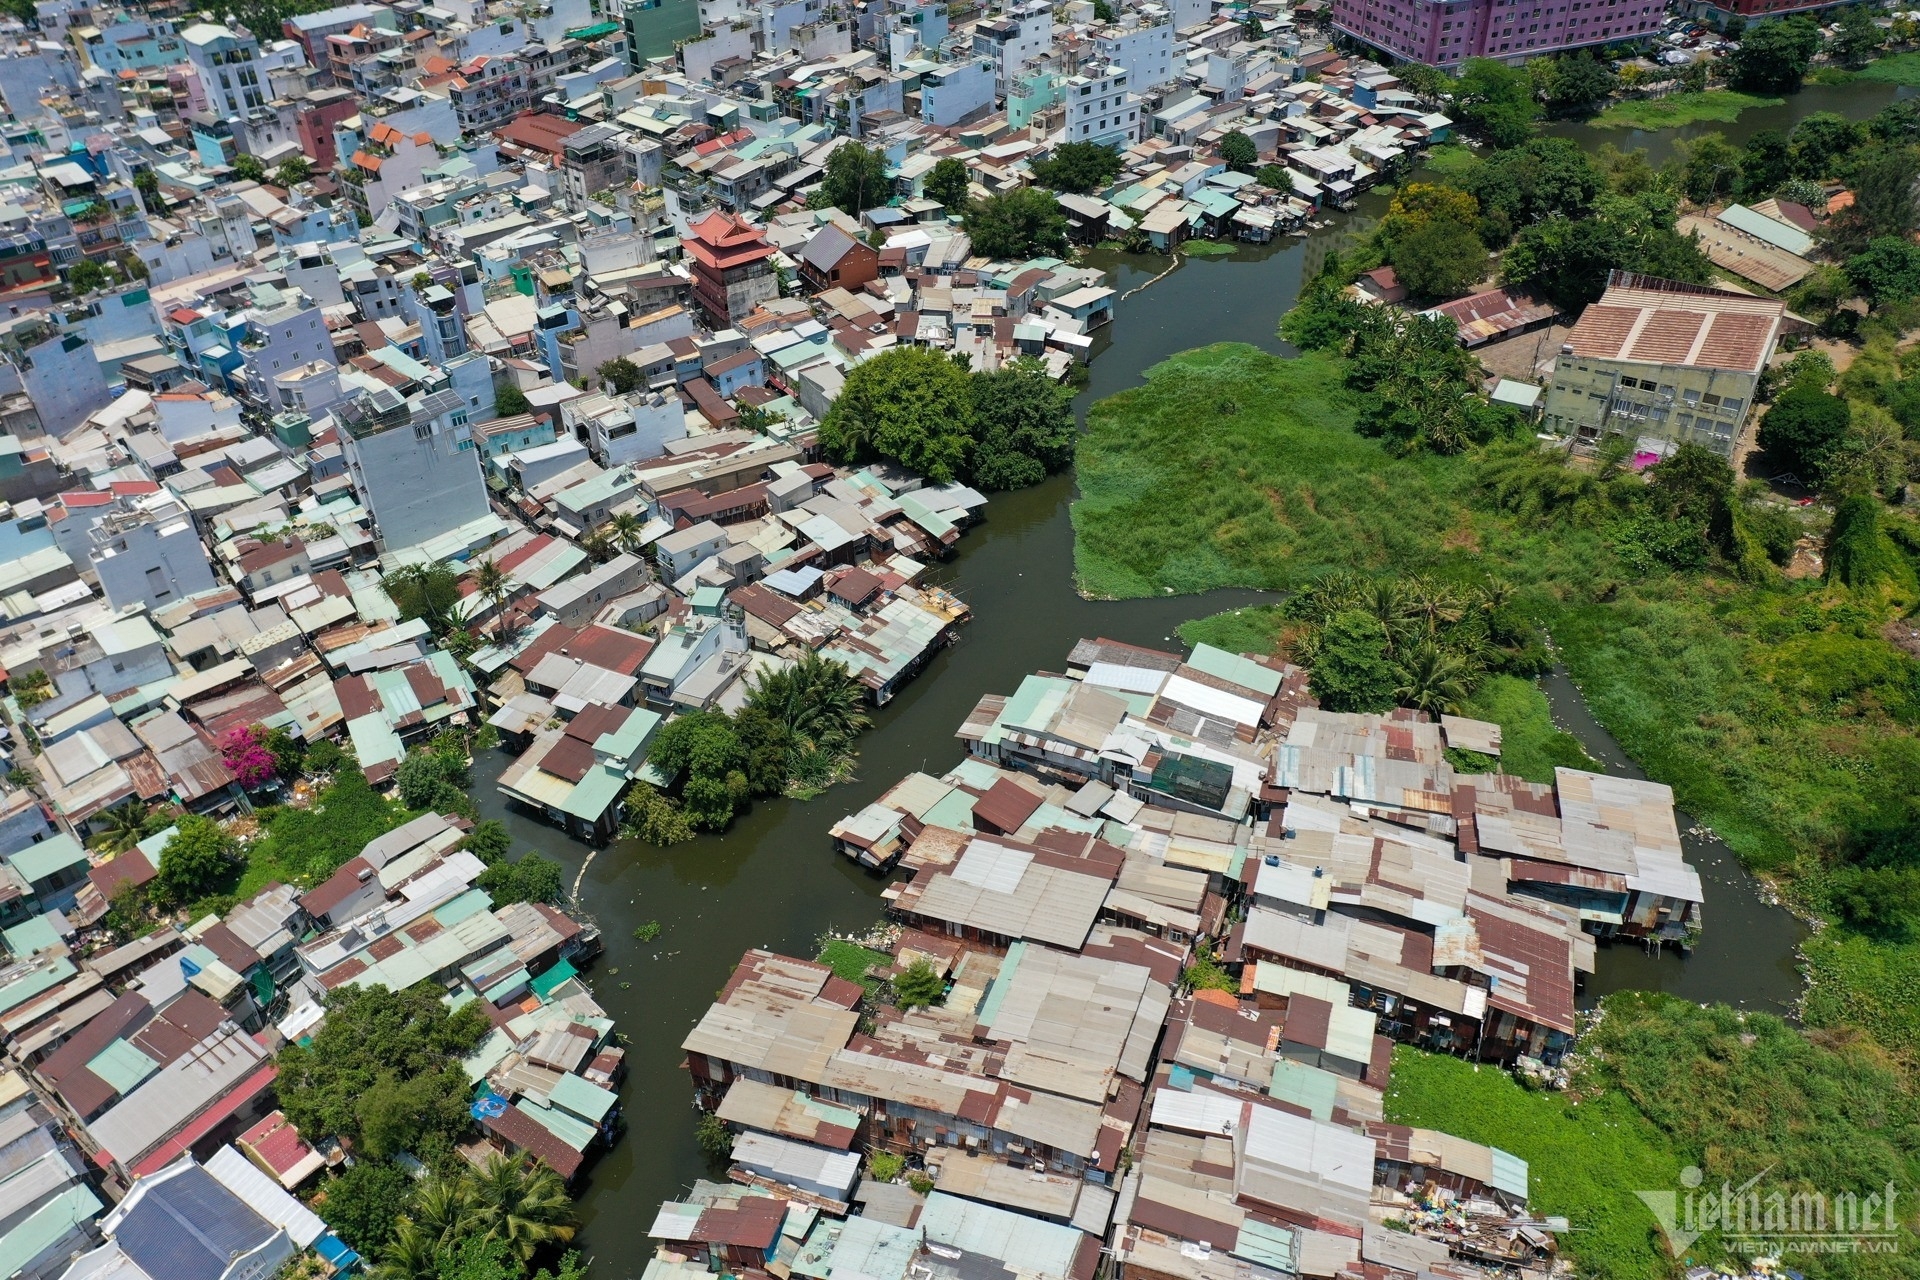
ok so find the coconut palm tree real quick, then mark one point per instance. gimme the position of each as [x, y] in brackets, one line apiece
[1431, 679]
[408, 1255]
[445, 1210]
[121, 827]
[491, 581]
[625, 529]
[525, 1207]
[816, 699]
[1434, 604]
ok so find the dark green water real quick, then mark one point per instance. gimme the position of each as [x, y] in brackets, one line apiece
[773, 880]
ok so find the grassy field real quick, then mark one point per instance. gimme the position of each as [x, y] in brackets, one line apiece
[1777, 712]
[1449, 160]
[1531, 745]
[851, 961]
[1674, 110]
[1900, 68]
[1275, 489]
[1662, 1085]
[1584, 1159]
[1255, 629]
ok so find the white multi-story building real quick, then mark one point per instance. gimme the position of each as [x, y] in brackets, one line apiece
[228, 66]
[1101, 107]
[1145, 52]
[954, 92]
[1024, 32]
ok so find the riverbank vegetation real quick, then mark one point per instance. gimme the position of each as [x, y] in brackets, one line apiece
[383, 1073]
[928, 412]
[1663, 1085]
[1680, 109]
[793, 737]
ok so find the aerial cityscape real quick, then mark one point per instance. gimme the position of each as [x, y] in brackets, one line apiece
[935, 640]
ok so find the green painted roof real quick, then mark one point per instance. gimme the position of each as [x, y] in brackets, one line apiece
[544, 984]
[32, 936]
[29, 985]
[595, 793]
[630, 738]
[1231, 666]
[52, 855]
[571, 1130]
[122, 1066]
[44, 1229]
[1306, 1087]
[470, 903]
[582, 1098]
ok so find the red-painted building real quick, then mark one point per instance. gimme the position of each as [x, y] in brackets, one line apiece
[732, 267]
[315, 117]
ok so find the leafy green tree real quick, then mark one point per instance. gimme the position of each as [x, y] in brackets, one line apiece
[1426, 82]
[1023, 426]
[654, 818]
[363, 1203]
[1496, 101]
[1238, 153]
[510, 401]
[856, 180]
[912, 405]
[1856, 38]
[1773, 57]
[430, 780]
[528, 878]
[814, 699]
[1883, 904]
[1540, 178]
[430, 592]
[621, 376]
[1579, 81]
[195, 860]
[1765, 163]
[293, 171]
[1882, 181]
[1351, 670]
[1801, 429]
[1691, 492]
[1273, 177]
[1440, 260]
[1568, 260]
[1858, 552]
[1898, 122]
[714, 1137]
[87, 275]
[1821, 142]
[1889, 270]
[1711, 169]
[1077, 167]
[948, 182]
[1431, 679]
[325, 756]
[147, 183]
[919, 985]
[364, 1062]
[120, 828]
[1018, 224]
[705, 746]
[248, 168]
[489, 840]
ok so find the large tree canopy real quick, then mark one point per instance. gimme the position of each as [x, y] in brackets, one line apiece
[856, 180]
[912, 405]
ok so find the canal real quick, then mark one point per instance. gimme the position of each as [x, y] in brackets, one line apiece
[773, 880]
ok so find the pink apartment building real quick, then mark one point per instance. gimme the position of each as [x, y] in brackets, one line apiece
[1445, 33]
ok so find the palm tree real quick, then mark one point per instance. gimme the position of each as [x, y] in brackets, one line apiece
[408, 1255]
[598, 546]
[1435, 604]
[1386, 599]
[122, 827]
[491, 581]
[625, 528]
[1431, 679]
[525, 1207]
[817, 699]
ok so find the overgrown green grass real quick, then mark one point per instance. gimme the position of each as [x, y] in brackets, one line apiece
[851, 961]
[1531, 746]
[1778, 713]
[1255, 629]
[1450, 160]
[1584, 1159]
[1664, 1085]
[1232, 467]
[1675, 110]
[1900, 68]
